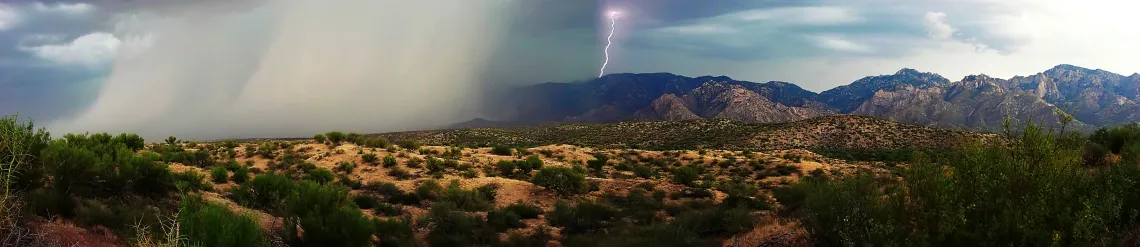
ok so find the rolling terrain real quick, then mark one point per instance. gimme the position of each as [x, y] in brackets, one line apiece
[838, 132]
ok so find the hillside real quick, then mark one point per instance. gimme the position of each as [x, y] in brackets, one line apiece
[842, 132]
[340, 189]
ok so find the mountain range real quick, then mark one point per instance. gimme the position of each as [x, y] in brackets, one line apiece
[1095, 98]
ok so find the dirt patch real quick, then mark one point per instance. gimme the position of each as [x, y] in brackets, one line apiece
[64, 233]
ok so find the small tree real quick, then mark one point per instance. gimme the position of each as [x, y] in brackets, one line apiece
[219, 174]
[319, 138]
[208, 224]
[370, 158]
[171, 140]
[562, 180]
[321, 176]
[240, 175]
[354, 138]
[389, 161]
[336, 137]
[501, 150]
[408, 144]
[685, 175]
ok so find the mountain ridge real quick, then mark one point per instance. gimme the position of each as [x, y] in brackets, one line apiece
[975, 102]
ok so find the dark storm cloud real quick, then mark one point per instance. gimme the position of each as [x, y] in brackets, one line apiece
[37, 88]
[558, 40]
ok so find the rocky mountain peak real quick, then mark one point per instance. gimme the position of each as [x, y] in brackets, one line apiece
[1067, 67]
[908, 71]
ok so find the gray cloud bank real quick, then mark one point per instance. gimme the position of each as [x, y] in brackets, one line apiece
[297, 67]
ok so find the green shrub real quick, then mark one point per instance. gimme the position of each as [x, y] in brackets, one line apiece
[95, 213]
[539, 238]
[240, 175]
[346, 167]
[190, 180]
[561, 180]
[1115, 139]
[208, 224]
[132, 141]
[347, 181]
[415, 163]
[501, 150]
[524, 210]
[643, 171]
[321, 176]
[685, 175]
[787, 170]
[468, 200]
[429, 189]
[376, 142]
[501, 220]
[219, 174]
[623, 166]
[435, 166]
[394, 232]
[532, 162]
[336, 137]
[386, 209]
[22, 153]
[69, 165]
[343, 226]
[326, 216]
[506, 168]
[265, 191]
[319, 138]
[1034, 191]
[487, 191]
[384, 188]
[447, 226]
[144, 175]
[354, 138]
[469, 174]
[389, 161]
[597, 164]
[370, 158]
[365, 201]
[584, 218]
[408, 144]
[399, 173]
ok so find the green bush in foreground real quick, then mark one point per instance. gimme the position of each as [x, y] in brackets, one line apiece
[448, 226]
[207, 224]
[1033, 192]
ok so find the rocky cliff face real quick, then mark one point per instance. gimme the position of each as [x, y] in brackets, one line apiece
[975, 102]
[1099, 97]
[726, 101]
[846, 99]
[667, 108]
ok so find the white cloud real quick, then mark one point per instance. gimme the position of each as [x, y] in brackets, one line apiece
[91, 49]
[700, 29]
[840, 44]
[68, 8]
[8, 17]
[818, 15]
[936, 26]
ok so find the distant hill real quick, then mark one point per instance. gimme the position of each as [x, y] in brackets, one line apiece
[976, 102]
[829, 132]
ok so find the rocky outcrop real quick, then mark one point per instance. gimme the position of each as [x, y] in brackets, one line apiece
[726, 101]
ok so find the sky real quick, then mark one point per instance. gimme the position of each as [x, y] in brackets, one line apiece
[242, 68]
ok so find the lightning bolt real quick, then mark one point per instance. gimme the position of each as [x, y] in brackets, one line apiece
[609, 41]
